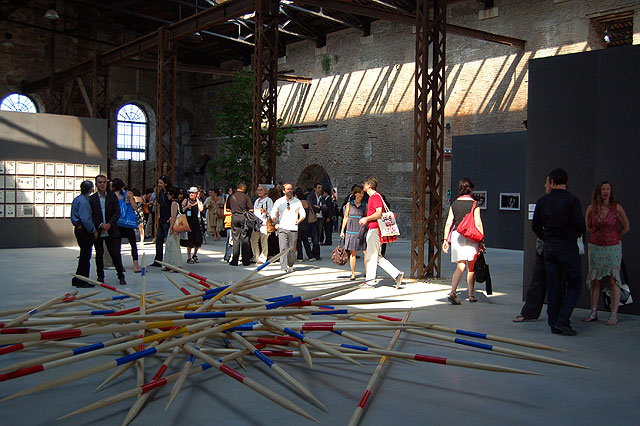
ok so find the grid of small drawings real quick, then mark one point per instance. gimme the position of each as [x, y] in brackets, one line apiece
[41, 189]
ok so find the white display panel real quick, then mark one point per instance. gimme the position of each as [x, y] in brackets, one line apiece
[49, 197]
[40, 182]
[40, 169]
[25, 168]
[10, 168]
[38, 210]
[49, 210]
[9, 210]
[25, 182]
[24, 210]
[10, 196]
[49, 169]
[23, 196]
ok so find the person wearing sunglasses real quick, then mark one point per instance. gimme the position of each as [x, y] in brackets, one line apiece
[287, 213]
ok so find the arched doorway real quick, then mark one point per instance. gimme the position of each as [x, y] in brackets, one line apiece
[313, 174]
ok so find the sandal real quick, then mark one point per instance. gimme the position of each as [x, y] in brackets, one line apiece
[613, 320]
[472, 299]
[593, 316]
[190, 261]
[453, 299]
[195, 258]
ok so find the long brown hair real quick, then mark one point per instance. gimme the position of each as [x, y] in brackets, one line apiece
[596, 197]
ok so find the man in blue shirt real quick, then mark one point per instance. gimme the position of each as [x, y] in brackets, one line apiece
[558, 221]
[84, 230]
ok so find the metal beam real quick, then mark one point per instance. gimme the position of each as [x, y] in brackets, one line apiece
[321, 14]
[407, 19]
[198, 22]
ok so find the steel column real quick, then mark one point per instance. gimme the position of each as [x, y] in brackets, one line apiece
[265, 67]
[166, 105]
[428, 162]
[99, 90]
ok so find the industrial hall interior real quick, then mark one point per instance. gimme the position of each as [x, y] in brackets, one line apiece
[288, 212]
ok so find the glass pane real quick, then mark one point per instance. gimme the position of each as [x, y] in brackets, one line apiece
[18, 103]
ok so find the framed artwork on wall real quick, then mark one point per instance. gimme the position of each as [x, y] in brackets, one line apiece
[39, 197]
[25, 182]
[1, 181]
[10, 168]
[79, 170]
[23, 196]
[25, 167]
[510, 201]
[9, 210]
[59, 210]
[49, 197]
[481, 198]
[24, 210]
[10, 196]
[67, 210]
[40, 169]
[68, 197]
[38, 211]
[10, 181]
[1, 196]
[59, 169]
[49, 169]
[1, 168]
[49, 210]
[39, 182]
[69, 170]
[1, 210]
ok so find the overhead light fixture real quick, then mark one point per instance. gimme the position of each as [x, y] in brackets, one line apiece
[51, 14]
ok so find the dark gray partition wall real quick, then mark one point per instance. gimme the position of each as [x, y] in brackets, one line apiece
[583, 117]
[495, 164]
[49, 139]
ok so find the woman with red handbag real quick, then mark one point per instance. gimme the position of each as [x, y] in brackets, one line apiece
[463, 249]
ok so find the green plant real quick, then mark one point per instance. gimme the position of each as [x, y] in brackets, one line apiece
[325, 62]
[233, 125]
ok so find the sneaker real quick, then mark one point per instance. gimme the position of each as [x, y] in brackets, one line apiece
[155, 264]
[290, 269]
[311, 259]
[399, 279]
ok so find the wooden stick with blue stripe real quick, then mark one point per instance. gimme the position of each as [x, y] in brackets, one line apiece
[21, 318]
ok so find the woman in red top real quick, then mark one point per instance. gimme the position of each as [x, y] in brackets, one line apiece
[607, 222]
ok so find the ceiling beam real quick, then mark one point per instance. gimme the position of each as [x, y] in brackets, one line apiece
[198, 22]
[408, 19]
[322, 15]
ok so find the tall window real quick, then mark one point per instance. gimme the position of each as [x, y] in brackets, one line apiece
[131, 133]
[19, 103]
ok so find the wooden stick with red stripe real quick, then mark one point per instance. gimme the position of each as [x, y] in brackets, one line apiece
[357, 413]
[21, 318]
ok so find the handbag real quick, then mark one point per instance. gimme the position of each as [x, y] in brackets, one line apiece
[227, 221]
[312, 217]
[467, 227]
[251, 221]
[181, 224]
[481, 269]
[387, 222]
[625, 293]
[271, 227]
[340, 255]
[128, 218]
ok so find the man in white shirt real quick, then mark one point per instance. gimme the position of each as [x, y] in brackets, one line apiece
[287, 213]
[261, 208]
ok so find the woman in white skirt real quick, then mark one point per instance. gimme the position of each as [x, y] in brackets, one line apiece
[172, 253]
[463, 251]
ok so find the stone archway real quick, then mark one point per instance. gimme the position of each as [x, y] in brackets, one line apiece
[311, 175]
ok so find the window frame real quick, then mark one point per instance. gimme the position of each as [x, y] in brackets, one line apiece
[128, 149]
[20, 102]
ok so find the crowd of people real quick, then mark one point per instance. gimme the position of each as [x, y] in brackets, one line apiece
[559, 225]
[257, 228]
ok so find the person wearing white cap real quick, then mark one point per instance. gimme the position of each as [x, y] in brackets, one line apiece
[191, 206]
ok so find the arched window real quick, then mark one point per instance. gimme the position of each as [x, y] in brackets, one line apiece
[131, 133]
[19, 103]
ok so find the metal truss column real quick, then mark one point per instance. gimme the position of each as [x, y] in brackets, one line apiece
[265, 67]
[428, 162]
[166, 106]
[100, 90]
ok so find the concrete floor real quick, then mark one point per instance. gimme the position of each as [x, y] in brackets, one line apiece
[416, 393]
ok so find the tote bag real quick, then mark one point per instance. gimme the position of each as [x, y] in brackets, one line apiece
[387, 223]
[128, 218]
[181, 224]
[467, 227]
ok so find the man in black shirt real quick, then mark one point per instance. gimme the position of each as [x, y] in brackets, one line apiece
[239, 203]
[163, 209]
[558, 221]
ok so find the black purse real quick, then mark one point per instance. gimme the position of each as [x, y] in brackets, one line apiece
[251, 221]
[482, 273]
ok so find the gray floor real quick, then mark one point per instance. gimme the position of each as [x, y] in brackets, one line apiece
[416, 393]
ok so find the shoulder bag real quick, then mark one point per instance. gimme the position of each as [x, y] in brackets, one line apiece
[128, 218]
[181, 224]
[387, 223]
[311, 217]
[481, 269]
[340, 255]
[467, 227]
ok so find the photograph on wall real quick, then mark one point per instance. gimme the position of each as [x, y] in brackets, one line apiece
[79, 170]
[10, 168]
[1, 196]
[68, 197]
[49, 210]
[79, 181]
[24, 210]
[67, 210]
[1, 210]
[69, 170]
[69, 183]
[59, 197]
[59, 169]
[25, 182]
[59, 183]
[25, 167]
[1, 181]
[39, 182]
[39, 197]
[59, 210]
[9, 181]
[9, 210]
[1, 167]
[23, 196]
[481, 198]
[50, 183]
[510, 201]
[40, 169]
[38, 211]
[49, 197]
[10, 196]
[91, 170]
[50, 169]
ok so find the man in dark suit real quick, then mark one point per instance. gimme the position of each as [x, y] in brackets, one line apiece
[105, 210]
[328, 210]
